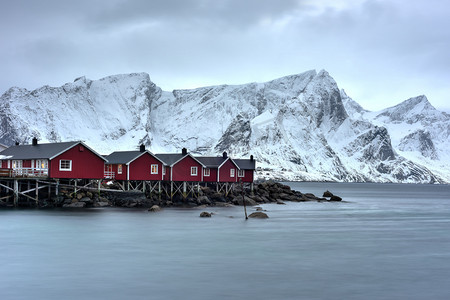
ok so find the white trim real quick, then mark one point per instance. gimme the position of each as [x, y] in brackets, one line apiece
[204, 172]
[121, 168]
[151, 169]
[70, 165]
[243, 173]
[77, 143]
[232, 172]
[185, 157]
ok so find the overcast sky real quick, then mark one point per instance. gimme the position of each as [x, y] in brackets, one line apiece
[380, 51]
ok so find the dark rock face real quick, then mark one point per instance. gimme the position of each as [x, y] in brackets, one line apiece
[419, 140]
[238, 133]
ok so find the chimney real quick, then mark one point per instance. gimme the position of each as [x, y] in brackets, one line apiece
[184, 151]
[251, 157]
[34, 141]
[225, 155]
[142, 148]
[17, 143]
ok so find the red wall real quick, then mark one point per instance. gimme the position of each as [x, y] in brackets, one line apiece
[167, 175]
[224, 172]
[85, 164]
[118, 176]
[140, 169]
[212, 177]
[26, 163]
[248, 176]
[182, 170]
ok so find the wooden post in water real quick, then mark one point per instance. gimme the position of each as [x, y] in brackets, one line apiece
[243, 199]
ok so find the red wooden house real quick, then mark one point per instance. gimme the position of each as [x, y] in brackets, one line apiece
[53, 160]
[219, 169]
[134, 165]
[247, 168]
[182, 167]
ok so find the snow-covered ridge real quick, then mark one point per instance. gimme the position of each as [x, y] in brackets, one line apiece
[298, 127]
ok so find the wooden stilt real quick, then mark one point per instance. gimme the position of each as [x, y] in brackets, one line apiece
[37, 192]
[16, 192]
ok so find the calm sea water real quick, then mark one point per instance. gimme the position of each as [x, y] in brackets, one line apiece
[386, 241]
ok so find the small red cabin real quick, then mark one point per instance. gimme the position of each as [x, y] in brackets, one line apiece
[182, 167]
[247, 168]
[134, 165]
[219, 169]
[53, 160]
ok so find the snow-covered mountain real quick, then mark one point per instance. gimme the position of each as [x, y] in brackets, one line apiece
[299, 127]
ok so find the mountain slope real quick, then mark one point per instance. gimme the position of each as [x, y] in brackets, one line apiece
[299, 127]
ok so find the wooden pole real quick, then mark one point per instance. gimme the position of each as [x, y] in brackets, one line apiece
[243, 200]
[37, 192]
[16, 192]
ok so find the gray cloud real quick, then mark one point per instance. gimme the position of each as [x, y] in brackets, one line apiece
[379, 51]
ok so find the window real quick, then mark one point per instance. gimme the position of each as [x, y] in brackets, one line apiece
[241, 173]
[193, 171]
[17, 164]
[154, 169]
[232, 173]
[206, 172]
[119, 169]
[41, 164]
[65, 165]
[164, 171]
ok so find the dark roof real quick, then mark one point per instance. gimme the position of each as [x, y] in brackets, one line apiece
[170, 159]
[123, 157]
[211, 161]
[40, 151]
[245, 164]
[126, 157]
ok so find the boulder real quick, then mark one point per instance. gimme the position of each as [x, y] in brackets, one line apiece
[205, 214]
[75, 205]
[154, 208]
[327, 194]
[258, 215]
[86, 200]
[204, 200]
[279, 201]
[335, 198]
[248, 201]
[102, 204]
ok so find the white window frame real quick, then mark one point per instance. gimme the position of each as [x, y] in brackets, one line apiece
[41, 164]
[152, 171]
[119, 169]
[194, 171]
[241, 173]
[232, 172]
[17, 164]
[206, 172]
[65, 169]
[164, 170]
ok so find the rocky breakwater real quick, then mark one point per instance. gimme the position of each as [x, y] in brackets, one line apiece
[265, 192]
[83, 198]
